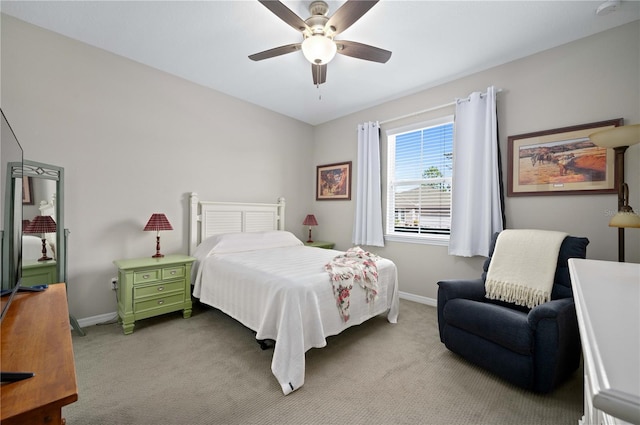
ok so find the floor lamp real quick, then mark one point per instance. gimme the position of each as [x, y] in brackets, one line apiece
[620, 138]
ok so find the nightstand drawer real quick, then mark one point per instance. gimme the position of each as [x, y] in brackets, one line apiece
[157, 303]
[146, 276]
[161, 288]
[172, 272]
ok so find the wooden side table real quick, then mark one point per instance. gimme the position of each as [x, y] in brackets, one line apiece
[321, 244]
[148, 287]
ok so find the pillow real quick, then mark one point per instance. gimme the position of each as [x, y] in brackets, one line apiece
[247, 241]
[32, 247]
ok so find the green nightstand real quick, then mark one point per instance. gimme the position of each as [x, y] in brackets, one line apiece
[149, 287]
[38, 272]
[321, 244]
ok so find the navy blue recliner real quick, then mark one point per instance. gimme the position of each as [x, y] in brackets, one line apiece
[536, 349]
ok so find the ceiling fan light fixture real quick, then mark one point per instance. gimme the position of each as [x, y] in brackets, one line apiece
[607, 7]
[318, 49]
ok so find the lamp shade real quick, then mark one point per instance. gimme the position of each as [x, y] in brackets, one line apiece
[625, 219]
[157, 222]
[41, 224]
[310, 220]
[319, 49]
[625, 135]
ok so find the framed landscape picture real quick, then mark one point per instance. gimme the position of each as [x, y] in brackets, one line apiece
[561, 161]
[27, 190]
[333, 182]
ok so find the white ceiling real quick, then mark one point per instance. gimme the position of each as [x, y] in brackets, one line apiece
[208, 42]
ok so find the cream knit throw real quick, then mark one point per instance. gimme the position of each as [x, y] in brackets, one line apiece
[523, 266]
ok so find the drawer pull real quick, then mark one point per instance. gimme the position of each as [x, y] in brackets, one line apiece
[160, 288]
[160, 302]
[173, 272]
[145, 276]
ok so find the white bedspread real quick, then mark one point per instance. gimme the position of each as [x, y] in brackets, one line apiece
[285, 294]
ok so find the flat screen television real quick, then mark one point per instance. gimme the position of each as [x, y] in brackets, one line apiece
[11, 155]
[11, 209]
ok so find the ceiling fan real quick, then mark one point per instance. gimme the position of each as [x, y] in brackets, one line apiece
[319, 30]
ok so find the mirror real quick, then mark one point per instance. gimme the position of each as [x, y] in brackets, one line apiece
[41, 180]
[42, 186]
[30, 181]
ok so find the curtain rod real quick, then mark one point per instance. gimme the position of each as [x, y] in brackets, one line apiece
[433, 108]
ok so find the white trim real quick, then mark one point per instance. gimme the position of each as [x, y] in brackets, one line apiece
[393, 183]
[423, 238]
[96, 320]
[418, 298]
[435, 108]
[433, 122]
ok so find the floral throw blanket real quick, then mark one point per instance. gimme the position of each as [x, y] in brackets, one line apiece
[355, 265]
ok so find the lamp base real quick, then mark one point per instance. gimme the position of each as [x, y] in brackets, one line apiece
[44, 251]
[157, 255]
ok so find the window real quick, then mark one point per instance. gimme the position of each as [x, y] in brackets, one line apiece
[419, 168]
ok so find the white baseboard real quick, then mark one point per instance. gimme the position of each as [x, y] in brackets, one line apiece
[107, 317]
[95, 320]
[418, 298]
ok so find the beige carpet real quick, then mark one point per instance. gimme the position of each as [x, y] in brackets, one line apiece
[209, 370]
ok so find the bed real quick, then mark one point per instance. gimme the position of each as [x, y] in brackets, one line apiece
[250, 268]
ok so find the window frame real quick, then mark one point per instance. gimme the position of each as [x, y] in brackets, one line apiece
[423, 238]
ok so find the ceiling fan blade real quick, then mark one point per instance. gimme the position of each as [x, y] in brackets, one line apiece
[284, 13]
[348, 13]
[319, 73]
[362, 51]
[277, 51]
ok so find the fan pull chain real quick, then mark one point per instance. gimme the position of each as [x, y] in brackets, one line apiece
[318, 83]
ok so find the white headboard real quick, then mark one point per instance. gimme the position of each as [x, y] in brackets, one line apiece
[211, 218]
[48, 208]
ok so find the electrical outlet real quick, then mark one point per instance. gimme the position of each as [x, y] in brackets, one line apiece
[114, 283]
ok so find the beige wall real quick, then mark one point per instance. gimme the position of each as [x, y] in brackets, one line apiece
[593, 79]
[135, 141]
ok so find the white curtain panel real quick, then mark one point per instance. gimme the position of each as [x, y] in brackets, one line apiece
[367, 229]
[476, 211]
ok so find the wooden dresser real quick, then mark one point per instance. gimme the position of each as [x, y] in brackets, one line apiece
[36, 337]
